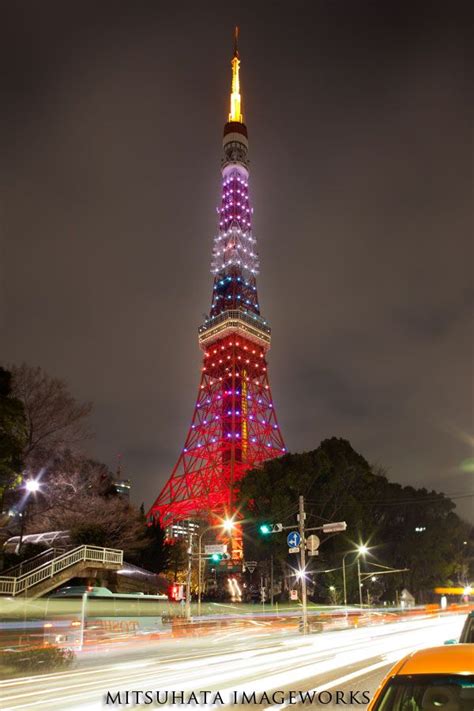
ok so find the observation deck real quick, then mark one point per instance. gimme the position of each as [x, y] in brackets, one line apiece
[248, 325]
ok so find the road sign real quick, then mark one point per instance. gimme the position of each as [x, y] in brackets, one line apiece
[250, 565]
[312, 543]
[293, 594]
[293, 539]
[216, 548]
[334, 527]
[294, 550]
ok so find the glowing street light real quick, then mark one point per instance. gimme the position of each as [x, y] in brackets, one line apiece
[360, 549]
[228, 524]
[32, 486]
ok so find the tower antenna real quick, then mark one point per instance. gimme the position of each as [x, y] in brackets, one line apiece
[235, 98]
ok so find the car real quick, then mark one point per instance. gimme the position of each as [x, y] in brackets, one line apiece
[467, 634]
[433, 679]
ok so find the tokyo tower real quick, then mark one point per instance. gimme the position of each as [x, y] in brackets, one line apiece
[234, 425]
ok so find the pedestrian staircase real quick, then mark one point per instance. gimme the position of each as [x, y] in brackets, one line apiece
[83, 561]
[31, 563]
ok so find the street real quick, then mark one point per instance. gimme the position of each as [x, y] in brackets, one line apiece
[263, 665]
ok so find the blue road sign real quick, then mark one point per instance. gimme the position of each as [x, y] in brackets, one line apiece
[293, 539]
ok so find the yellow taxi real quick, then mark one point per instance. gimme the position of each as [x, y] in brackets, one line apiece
[435, 679]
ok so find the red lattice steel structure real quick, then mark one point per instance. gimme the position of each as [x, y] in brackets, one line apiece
[234, 425]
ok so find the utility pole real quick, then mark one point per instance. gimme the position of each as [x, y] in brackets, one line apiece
[344, 584]
[271, 580]
[187, 608]
[294, 546]
[360, 584]
[83, 620]
[301, 521]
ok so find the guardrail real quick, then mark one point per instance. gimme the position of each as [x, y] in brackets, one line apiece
[31, 563]
[16, 585]
[248, 317]
[252, 326]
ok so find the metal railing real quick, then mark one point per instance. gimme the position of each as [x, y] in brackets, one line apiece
[250, 318]
[16, 585]
[251, 326]
[30, 563]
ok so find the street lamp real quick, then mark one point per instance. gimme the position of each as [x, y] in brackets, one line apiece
[31, 486]
[359, 550]
[228, 525]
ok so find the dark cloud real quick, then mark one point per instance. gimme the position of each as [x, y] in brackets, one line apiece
[360, 133]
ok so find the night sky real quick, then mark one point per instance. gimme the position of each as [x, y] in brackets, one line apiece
[360, 143]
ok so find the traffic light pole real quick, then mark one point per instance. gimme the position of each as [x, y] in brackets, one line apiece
[271, 580]
[301, 521]
[361, 602]
[330, 527]
[187, 608]
[200, 567]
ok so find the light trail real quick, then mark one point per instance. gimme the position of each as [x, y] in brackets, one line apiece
[276, 664]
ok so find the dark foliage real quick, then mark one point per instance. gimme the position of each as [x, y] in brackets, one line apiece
[155, 553]
[340, 485]
[13, 434]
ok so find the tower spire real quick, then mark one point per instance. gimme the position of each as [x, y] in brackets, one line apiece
[235, 98]
[236, 41]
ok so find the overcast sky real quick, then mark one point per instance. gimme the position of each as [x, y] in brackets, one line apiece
[359, 122]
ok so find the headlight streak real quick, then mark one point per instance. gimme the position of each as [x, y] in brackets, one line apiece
[259, 669]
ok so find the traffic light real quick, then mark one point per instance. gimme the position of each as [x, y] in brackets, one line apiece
[217, 557]
[267, 528]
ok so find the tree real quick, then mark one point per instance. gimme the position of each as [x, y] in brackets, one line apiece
[155, 554]
[177, 559]
[13, 435]
[77, 495]
[339, 484]
[55, 421]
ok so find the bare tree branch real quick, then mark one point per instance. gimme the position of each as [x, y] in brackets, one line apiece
[55, 420]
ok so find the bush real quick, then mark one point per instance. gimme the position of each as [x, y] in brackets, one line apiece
[34, 660]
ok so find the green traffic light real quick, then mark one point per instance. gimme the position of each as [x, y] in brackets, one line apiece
[216, 557]
[265, 529]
